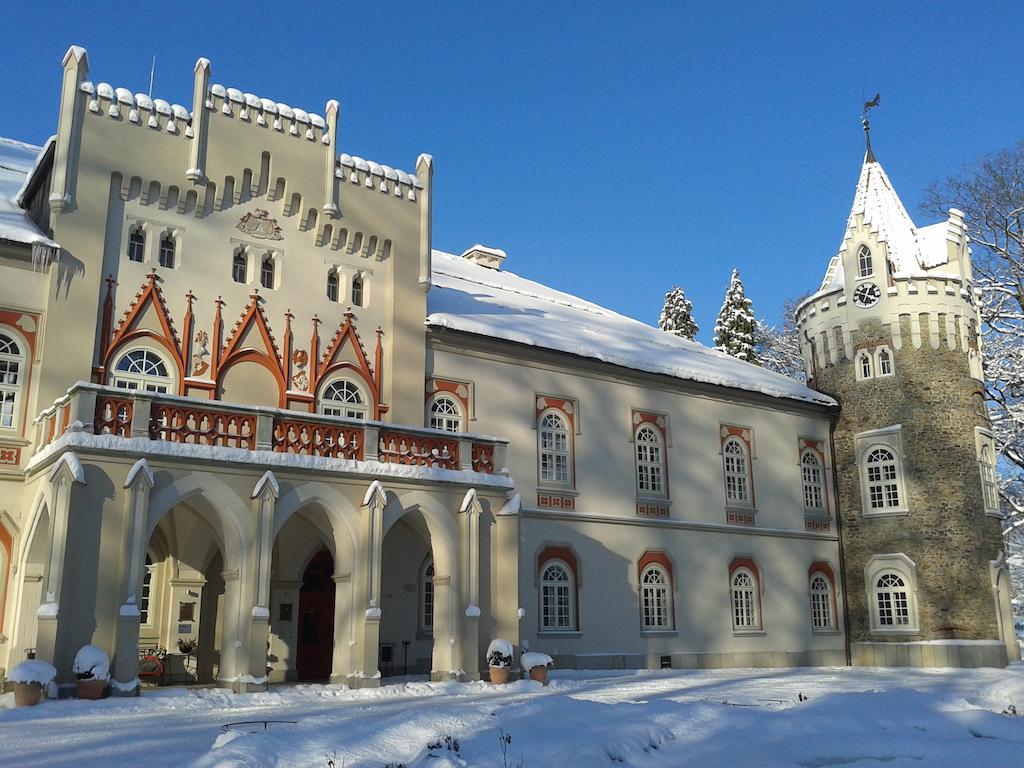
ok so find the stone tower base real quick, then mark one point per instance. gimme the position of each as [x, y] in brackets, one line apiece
[930, 653]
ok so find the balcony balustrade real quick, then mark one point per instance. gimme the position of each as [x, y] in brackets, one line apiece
[104, 410]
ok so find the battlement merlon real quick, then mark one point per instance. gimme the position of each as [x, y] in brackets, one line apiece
[939, 306]
[209, 147]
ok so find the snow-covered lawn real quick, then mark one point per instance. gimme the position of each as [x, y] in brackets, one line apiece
[707, 718]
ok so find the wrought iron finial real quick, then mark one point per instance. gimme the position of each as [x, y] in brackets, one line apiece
[869, 156]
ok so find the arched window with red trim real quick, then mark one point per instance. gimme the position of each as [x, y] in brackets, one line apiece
[745, 595]
[656, 592]
[557, 590]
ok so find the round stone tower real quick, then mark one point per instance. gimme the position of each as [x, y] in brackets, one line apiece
[892, 334]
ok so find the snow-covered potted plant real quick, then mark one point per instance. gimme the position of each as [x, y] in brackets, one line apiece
[499, 659]
[536, 665]
[31, 679]
[92, 671]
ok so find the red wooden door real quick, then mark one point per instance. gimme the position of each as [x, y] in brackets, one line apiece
[316, 619]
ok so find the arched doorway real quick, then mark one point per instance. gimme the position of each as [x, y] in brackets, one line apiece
[32, 578]
[314, 650]
[182, 591]
[407, 599]
[6, 548]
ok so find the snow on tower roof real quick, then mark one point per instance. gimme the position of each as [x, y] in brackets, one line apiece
[910, 250]
[474, 299]
[17, 161]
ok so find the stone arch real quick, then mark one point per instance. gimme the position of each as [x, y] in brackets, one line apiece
[32, 565]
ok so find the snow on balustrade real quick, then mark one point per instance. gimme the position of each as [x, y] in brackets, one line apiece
[90, 412]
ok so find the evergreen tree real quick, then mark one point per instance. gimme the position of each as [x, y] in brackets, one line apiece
[736, 327]
[677, 315]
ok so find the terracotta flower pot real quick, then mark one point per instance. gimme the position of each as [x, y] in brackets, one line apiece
[27, 694]
[499, 675]
[540, 674]
[91, 689]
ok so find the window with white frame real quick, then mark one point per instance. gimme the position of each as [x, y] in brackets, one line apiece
[239, 267]
[743, 595]
[427, 596]
[357, 291]
[12, 364]
[865, 267]
[167, 251]
[882, 480]
[555, 454]
[822, 613]
[445, 414]
[333, 286]
[147, 591]
[342, 397]
[864, 367]
[267, 272]
[650, 467]
[813, 481]
[557, 597]
[736, 463]
[989, 487]
[892, 601]
[142, 369]
[655, 598]
[884, 362]
[137, 244]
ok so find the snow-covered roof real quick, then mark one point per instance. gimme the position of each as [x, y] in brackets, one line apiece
[911, 250]
[17, 161]
[474, 299]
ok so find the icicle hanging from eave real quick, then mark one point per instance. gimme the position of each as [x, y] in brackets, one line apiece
[42, 256]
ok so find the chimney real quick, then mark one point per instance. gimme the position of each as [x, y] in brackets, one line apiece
[484, 256]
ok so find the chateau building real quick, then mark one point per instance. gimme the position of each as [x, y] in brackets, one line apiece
[249, 415]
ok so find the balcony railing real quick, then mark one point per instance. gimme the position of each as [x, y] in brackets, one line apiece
[105, 410]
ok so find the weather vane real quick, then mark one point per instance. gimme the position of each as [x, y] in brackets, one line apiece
[868, 105]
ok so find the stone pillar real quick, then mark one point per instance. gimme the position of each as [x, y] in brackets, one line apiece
[196, 171]
[469, 525]
[126, 646]
[65, 473]
[344, 642]
[330, 181]
[233, 661]
[425, 175]
[69, 130]
[264, 496]
[373, 534]
[443, 663]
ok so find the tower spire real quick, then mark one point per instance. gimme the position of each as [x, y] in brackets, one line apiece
[869, 156]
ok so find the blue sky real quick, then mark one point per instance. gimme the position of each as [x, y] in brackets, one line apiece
[612, 149]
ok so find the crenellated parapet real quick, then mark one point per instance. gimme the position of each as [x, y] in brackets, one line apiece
[934, 308]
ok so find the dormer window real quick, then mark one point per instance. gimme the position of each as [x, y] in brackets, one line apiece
[865, 268]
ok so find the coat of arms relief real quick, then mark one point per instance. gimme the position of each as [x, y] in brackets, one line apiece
[258, 224]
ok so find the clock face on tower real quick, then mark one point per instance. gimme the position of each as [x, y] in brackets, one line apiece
[866, 295]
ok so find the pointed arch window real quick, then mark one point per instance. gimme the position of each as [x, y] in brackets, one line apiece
[884, 362]
[822, 603]
[333, 286]
[357, 291]
[12, 363]
[167, 251]
[268, 272]
[557, 597]
[864, 368]
[144, 370]
[813, 481]
[650, 461]
[865, 266]
[427, 596]
[137, 244]
[655, 598]
[239, 267]
[555, 456]
[342, 397]
[445, 414]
